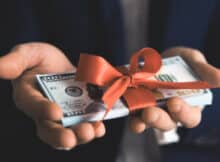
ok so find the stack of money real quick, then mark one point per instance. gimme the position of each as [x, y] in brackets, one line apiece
[81, 102]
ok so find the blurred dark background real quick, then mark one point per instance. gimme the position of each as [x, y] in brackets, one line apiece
[98, 27]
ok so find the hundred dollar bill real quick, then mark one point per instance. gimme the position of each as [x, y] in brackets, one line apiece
[81, 101]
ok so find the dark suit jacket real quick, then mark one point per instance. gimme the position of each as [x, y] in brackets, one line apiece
[96, 27]
[186, 23]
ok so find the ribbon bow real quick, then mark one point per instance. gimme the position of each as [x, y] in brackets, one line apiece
[134, 84]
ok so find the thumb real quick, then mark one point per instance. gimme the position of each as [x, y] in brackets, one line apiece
[198, 62]
[20, 59]
[208, 73]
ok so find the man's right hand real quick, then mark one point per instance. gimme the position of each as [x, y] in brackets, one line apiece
[21, 65]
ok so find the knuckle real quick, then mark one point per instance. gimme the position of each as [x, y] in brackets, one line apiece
[195, 54]
[17, 68]
[187, 53]
[137, 125]
[150, 115]
[175, 105]
[175, 101]
[166, 123]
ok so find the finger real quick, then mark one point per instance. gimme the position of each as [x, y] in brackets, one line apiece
[85, 132]
[189, 54]
[137, 125]
[188, 115]
[99, 129]
[198, 62]
[17, 61]
[56, 135]
[34, 104]
[28, 55]
[208, 73]
[158, 118]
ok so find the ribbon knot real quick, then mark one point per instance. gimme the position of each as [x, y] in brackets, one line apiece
[133, 83]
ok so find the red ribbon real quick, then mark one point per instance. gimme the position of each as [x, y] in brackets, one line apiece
[133, 84]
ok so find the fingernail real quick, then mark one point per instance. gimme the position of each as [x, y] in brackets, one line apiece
[63, 148]
[179, 124]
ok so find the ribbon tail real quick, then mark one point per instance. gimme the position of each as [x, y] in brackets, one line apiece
[139, 98]
[114, 92]
[176, 85]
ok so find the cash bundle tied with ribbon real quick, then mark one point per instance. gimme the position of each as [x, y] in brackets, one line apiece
[134, 83]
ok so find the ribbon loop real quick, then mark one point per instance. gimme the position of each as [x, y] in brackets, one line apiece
[95, 70]
[152, 61]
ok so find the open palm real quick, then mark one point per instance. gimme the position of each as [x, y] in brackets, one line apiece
[21, 65]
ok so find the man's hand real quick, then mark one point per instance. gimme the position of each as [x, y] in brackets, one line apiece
[178, 110]
[21, 65]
